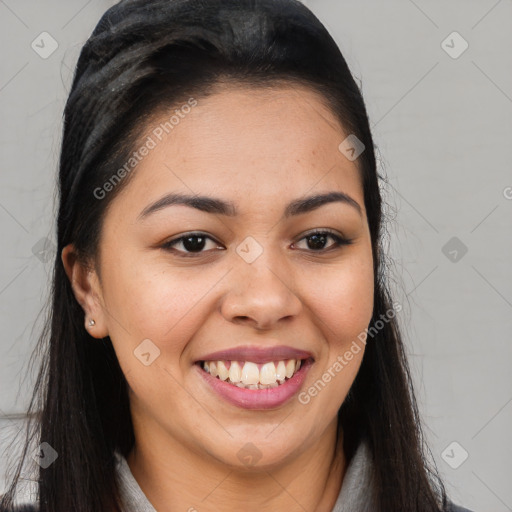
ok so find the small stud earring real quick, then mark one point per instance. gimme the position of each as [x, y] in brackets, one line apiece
[91, 322]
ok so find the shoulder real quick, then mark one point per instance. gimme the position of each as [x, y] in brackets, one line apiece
[455, 508]
[25, 507]
[22, 508]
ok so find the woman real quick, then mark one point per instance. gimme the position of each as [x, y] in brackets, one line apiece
[221, 333]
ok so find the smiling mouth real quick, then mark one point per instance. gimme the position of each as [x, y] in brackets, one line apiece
[250, 375]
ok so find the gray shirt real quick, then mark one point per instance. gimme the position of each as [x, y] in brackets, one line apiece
[356, 492]
[354, 495]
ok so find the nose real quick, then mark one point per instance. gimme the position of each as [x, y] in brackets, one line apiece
[260, 295]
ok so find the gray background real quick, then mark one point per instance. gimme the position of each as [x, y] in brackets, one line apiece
[443, 126]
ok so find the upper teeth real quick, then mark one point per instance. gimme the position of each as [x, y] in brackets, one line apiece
[250, 373]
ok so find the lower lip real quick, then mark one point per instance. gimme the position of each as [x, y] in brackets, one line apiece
[258, 398]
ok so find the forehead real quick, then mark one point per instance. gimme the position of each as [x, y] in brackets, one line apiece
[243, 143]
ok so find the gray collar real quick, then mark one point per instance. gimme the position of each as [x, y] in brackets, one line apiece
[354, 495]
[357, 489]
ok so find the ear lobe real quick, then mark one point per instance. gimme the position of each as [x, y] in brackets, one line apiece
[87, 291]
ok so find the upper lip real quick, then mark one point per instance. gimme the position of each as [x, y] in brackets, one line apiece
[257, 354]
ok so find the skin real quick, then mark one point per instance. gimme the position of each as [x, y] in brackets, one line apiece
[260, 149]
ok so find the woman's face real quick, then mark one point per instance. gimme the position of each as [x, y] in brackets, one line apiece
[254, 277]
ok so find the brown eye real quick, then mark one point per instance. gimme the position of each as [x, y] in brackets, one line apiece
[318, 239]
[192, 243]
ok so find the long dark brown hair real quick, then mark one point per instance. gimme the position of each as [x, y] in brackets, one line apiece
[142, 56]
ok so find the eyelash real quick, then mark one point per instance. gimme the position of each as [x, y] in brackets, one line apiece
[338, 242]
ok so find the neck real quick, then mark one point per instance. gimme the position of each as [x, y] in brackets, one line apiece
[174, 477]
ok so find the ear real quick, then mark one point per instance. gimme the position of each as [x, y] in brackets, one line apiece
[87, 289]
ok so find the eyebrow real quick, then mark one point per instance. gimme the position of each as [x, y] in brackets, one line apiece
[220, 207]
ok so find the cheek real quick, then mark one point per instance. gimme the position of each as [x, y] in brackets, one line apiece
[344, 302]
[159, 306]
[344, 306]
[152, 299]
